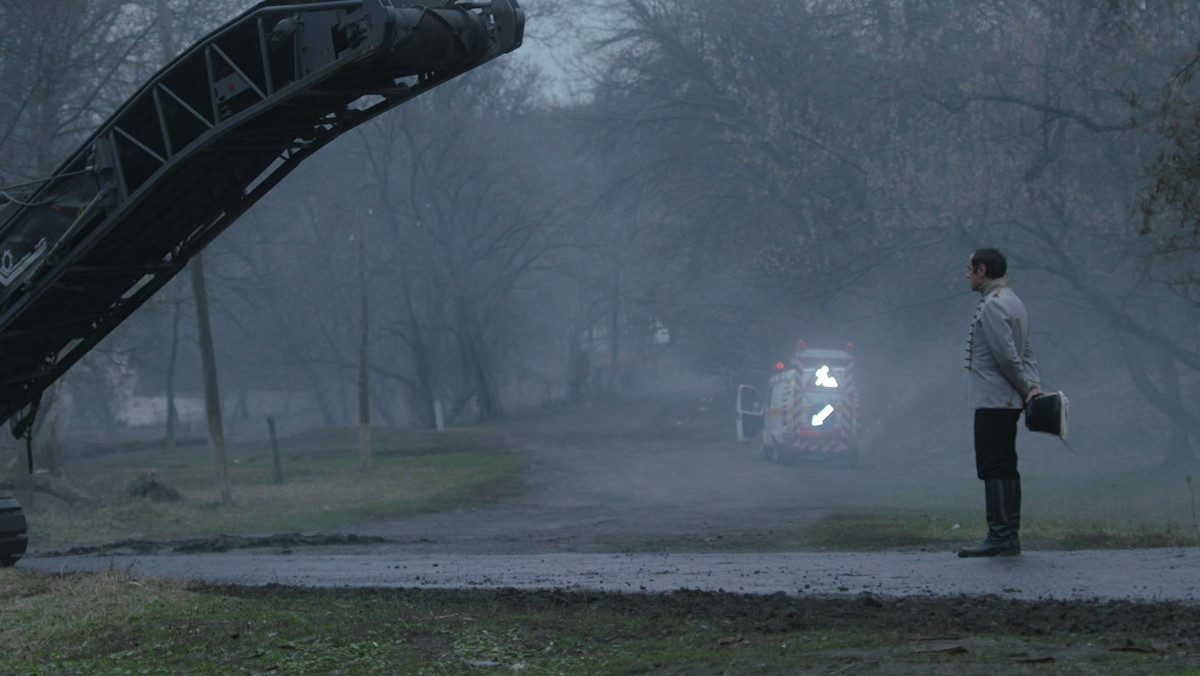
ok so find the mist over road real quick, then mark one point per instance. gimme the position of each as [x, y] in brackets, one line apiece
[643, 496]
[634, 476]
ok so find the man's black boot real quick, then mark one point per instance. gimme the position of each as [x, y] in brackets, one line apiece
[1003, 498]
[1012, 510]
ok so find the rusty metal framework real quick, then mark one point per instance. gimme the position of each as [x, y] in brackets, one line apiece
[195, 147]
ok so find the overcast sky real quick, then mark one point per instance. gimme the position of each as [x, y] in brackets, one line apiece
[557, 48]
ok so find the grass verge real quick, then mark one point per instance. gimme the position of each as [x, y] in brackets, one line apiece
[901, 529]
[1079, 507]
[108, 623]
[412, 471]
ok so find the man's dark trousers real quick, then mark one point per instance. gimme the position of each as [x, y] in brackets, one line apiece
[996, 443]
[996, 465]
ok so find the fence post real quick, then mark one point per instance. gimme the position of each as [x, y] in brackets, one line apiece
[275, 450]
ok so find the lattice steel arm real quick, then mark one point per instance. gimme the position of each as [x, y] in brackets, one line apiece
[196, 146]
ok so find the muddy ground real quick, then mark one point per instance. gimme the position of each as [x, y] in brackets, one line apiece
[651, 496]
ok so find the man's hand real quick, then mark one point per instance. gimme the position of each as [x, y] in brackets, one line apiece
[1033, 392]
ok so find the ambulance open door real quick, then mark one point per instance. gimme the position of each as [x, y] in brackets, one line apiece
[749, 413]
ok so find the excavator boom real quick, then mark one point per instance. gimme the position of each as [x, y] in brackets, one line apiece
[196, 146]
[191, 151]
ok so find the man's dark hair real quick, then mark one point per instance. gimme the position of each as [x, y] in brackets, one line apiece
[992, 260]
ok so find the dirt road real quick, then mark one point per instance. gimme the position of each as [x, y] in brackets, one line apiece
[648, 497]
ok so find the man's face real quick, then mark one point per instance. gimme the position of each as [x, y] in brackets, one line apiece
[976, 275]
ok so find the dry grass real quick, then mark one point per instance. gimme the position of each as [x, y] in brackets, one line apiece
[106, 623]
[72, 613]
[323, 487]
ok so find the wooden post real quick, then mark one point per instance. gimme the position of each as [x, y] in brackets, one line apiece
[275, 451]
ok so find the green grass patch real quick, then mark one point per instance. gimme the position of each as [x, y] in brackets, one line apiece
[1064, 507]
[109, 623]
[411, 472]
[875, 531]
[898, 529]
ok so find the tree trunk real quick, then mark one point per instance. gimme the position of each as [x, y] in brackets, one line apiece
[54, 460]
[212, 397]
[1179, 452]
[320, 391]
[364, 383]
[614, 333]
[166, 40]
[51, 452]
[172, 358]
[166, 32]
[580, 369]
[478, 363]
[384, 401]
[423, 398]
[1167, 402]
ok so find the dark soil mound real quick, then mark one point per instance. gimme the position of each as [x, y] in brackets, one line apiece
[149, 487]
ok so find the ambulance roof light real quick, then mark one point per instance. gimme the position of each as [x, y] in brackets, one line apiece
[849, 347]
[799, 344]
[779, 366]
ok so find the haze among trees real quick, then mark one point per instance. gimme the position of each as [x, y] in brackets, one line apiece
[735, 175]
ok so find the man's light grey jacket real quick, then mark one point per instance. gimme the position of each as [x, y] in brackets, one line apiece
[1001, 367]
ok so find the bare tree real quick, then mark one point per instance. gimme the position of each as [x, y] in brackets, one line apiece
[1171, 201]
[804, 150]
[212, 397]
[62, 68]
[757, 139]
[1054, 119]
[466, 226]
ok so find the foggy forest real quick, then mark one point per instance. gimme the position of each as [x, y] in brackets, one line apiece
[654, 189]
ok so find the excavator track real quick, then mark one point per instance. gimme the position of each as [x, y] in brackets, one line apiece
[13, 539]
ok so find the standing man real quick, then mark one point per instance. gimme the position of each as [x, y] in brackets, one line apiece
[1002, 375]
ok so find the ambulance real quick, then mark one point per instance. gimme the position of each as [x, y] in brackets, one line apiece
[809, 411]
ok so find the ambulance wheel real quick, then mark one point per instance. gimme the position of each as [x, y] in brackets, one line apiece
[770, 452]
[852, 458]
